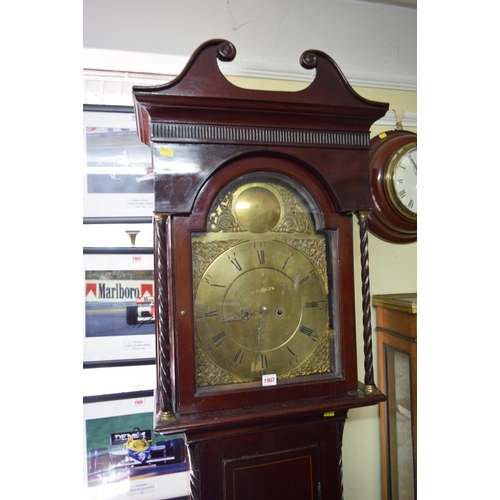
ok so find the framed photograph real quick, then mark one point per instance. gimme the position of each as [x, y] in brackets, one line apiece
[98, 380]
[117, 166]
[118, 233]
[124, 457]
[118, 306]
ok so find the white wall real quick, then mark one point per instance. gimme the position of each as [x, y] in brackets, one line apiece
[371, 42]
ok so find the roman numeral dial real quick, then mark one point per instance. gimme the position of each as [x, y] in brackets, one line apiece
[261, 307]
[402, 180]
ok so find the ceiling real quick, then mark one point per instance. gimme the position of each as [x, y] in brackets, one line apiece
[402, 3]
[373, 42]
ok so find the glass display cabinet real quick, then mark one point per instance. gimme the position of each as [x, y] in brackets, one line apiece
[397, 357]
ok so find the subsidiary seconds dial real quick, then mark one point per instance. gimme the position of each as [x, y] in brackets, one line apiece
[260, 307]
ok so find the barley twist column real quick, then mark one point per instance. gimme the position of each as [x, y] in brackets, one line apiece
[162, 338]
[369, 383]
[340, 432]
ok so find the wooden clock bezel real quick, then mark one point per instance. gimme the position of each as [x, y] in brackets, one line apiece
[385, 220]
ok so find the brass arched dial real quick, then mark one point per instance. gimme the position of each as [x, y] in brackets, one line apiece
[261, 281]
[260, 308]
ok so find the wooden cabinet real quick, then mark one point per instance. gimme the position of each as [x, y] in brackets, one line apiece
[295, 459]
[397, 357]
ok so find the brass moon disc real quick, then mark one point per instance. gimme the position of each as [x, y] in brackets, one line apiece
[257, 210]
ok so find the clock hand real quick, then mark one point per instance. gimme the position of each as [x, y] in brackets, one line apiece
[262, 323]
[243, 315]
[264, 289]
[234, 317]
[413, 162]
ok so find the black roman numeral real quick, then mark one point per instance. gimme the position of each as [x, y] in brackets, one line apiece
[319, 304]
[238, 358]
[211, 314]
[263, 361]
[294, 356]
[260, 248]
[216, 341]
[234, 262]
[312, 274]
[261, 256]
[310, 333]
[208, 281]
[260, 363]
[311, 304]
[286, 261]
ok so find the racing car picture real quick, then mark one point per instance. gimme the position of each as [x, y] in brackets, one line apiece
[142, 313]
[130, 454]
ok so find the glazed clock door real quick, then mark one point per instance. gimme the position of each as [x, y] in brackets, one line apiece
[263, 301]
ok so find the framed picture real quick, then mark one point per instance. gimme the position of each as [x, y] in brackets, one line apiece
[118, 306]
[101, 380]
[124, 457]
[117, 166]
[118, 232]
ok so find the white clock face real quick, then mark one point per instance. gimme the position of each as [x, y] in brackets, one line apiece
[402, 176]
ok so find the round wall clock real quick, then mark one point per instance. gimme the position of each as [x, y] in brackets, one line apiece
[393, 171]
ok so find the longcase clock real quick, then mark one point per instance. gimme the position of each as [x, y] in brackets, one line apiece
[256, 196]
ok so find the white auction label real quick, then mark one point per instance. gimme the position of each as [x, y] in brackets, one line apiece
[269, 380]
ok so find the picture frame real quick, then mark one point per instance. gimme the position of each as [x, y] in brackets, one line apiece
[118, 232]
[117, 166]
[124, 457]
[105, 378]
[118, 306]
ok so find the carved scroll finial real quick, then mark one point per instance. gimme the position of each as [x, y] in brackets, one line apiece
[226, 51]
[309, 60]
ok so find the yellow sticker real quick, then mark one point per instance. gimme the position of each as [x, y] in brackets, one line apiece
[383, 135]
[168, 152]
[329, 414]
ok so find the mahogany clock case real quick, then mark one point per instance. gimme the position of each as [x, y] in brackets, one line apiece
[206, 134]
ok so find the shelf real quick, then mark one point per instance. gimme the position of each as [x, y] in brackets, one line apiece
[404, 302]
